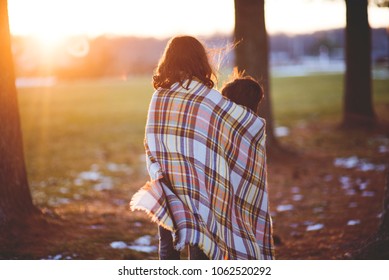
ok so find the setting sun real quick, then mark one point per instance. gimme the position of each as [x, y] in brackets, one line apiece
[51, 19]
[49, 40]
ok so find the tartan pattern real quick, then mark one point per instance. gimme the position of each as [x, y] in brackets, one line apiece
[207, 163]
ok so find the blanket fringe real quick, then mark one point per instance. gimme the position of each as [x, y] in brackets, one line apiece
[134, 206]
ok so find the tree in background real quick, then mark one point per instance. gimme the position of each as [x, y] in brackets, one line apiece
[358, 105]
[358, 108]
[16, 205]
[252, 54]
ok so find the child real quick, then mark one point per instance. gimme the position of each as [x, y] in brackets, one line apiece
[244, 90]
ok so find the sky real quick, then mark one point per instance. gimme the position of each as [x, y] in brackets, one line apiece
[52, 20]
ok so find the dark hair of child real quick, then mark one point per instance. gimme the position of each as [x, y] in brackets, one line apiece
[244, 90]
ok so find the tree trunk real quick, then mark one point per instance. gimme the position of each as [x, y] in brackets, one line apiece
[15, 198]
[358, 105]
[252, 54]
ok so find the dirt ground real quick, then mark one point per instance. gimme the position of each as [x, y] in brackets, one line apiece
[326, 201]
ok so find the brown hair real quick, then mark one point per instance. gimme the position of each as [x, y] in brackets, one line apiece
[244, 90]
[184, 58]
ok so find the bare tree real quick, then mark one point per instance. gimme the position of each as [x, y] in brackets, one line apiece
[15, 199]
[358, 105]
[359, 109]
[252, 53]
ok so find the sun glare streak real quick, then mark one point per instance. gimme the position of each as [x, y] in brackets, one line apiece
[78, 46]
[44, 131]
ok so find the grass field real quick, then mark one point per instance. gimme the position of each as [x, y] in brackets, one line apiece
[310, 98]
[76, 127]
[84, 154]
[98, 126]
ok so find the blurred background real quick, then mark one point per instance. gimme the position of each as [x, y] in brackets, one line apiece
[83, 76]
[99, 39]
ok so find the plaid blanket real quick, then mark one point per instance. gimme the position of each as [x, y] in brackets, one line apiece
[207, 163]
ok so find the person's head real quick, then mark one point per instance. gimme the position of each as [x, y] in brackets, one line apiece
[244, 90]
[185, 58]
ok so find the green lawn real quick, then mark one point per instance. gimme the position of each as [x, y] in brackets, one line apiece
[81, 126]
[310, 98]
